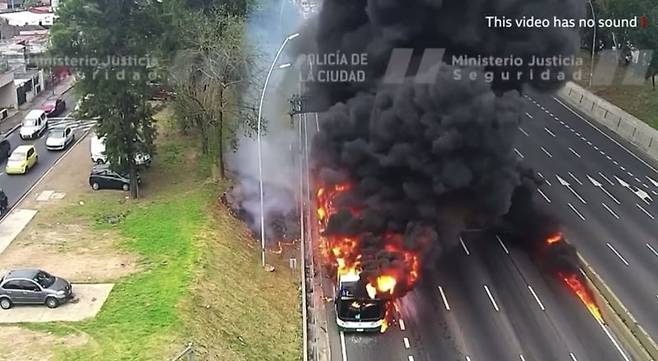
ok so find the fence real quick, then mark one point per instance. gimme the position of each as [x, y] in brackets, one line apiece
[625, 125]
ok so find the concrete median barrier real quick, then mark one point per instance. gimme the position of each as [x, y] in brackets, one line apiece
[622, 323]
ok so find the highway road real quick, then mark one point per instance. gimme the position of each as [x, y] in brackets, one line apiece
[599, 188]
[15, 186]
[486, 301]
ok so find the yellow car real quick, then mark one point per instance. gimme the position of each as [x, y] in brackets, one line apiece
[22, 159]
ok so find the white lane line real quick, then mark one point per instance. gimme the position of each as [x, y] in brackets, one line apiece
[645, 185]
[546, 152]
[596, 148]
[605, 135]
[573, 357]
[610, 210]
[654, 192]
[653, 181]
[542, 177]
[543, 195]
[583, 139]
[619, 349]
[615, 162]
[464, 246]
[518, 153]
[638, 180]
[549, 132]
[500, 241]
[561, 122]
[645, 211]
[406, 343]
[577, 134]
[576, 179]
[576, 211]
[444, 298]
[493, 302]
[528, 114]
[612, 248]
[589, 143]
[411, 358]
[606, 179]
[574, 152]
[622, 168]
[524, 132]
[402, 327]
[652, 250]
[468, 358]
[521, 357]
[541, 305]
[343, 349]
[608, 157]
[567, 126]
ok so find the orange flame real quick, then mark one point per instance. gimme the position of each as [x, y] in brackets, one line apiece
[584, 294]
[554, 238]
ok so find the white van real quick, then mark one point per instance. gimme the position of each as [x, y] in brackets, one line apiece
[34, 124]
[97, 150]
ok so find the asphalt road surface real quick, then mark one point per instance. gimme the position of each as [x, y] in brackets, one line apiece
[599, 189]
[15, 186]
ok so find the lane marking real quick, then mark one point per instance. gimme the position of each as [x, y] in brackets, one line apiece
[608, 157]
[406, 343]
[543, 195]
[573, 357]
[568, 186]
[411, 358]
[606, 179]
[577, 134]
[645, 211]
[576, 179]
[615, 162]
[493, 302]
[546, 152]
[500, 241]
[541, 305]
[518, 153]
[561, 122]
[619, 349]
[528, 114]
[574, 152]
[549, 132]
[653, 181]
[576, 211]
[652, 249]
[596, 148]
[402, 327]
[343, 350]
[612, 248]
[610, 210]
[468, 358]
[638, 180]
[521, 357]
[622, 168]
[589, 143]
[583, 139]
[444, 298]
[524, 132]
[607, 136]
[464, 246]
[544, 178]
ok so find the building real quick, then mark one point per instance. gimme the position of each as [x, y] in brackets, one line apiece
[35, 16]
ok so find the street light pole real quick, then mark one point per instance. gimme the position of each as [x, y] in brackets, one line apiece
[260, 154]
[591, 66]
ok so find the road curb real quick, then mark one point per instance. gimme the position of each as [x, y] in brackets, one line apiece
[635, 340]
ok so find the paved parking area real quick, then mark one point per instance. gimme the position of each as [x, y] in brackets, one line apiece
[89, 299]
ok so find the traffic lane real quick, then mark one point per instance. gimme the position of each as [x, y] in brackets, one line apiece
[539, 340]
[389, 346]
[568, 317]
[486, 331]
[619, 151]
[635, 286]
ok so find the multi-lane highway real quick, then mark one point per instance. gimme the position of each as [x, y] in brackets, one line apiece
[15, 186]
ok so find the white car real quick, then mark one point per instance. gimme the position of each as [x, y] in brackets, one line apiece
[97, 150]
[34, 124]
[59, 138]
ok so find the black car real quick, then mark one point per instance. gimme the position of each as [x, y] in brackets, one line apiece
[103, 177]
[5, 148]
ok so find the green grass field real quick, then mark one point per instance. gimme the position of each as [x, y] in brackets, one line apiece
[199, 281]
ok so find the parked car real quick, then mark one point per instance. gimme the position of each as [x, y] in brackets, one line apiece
[54, 107]
[60, 137]
[5, 148]
[22, 159]
[97, 150]
[33, 286]
[34, 124]
[103, 177]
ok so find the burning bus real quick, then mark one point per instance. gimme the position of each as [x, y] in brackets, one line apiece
[355, 309]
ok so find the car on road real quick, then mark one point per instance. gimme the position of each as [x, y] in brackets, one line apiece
[5, 148]
[33, 286]
[34, 124]
[60, 137]
[22, 159]
[103, 177]
[53, 107]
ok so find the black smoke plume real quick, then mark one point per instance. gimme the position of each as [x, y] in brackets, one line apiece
[428, 160]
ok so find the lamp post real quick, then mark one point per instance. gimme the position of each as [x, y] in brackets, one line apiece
[591, 65]
[258, 141]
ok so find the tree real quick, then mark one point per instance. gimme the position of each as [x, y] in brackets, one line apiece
[210, 78]
[107, 43]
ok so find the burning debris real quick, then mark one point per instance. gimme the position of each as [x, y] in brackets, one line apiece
[401, 169]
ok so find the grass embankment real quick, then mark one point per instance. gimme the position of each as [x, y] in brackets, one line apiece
[638, 100]
[200, 283]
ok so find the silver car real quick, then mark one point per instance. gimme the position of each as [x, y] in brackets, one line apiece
[33, 286]
[60, 137]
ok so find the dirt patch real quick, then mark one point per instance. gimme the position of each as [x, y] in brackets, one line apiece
[19, 344]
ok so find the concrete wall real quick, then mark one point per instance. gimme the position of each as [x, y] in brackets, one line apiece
[8, 96]
[628, 127]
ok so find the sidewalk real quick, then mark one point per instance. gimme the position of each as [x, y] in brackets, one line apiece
[16, 116]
